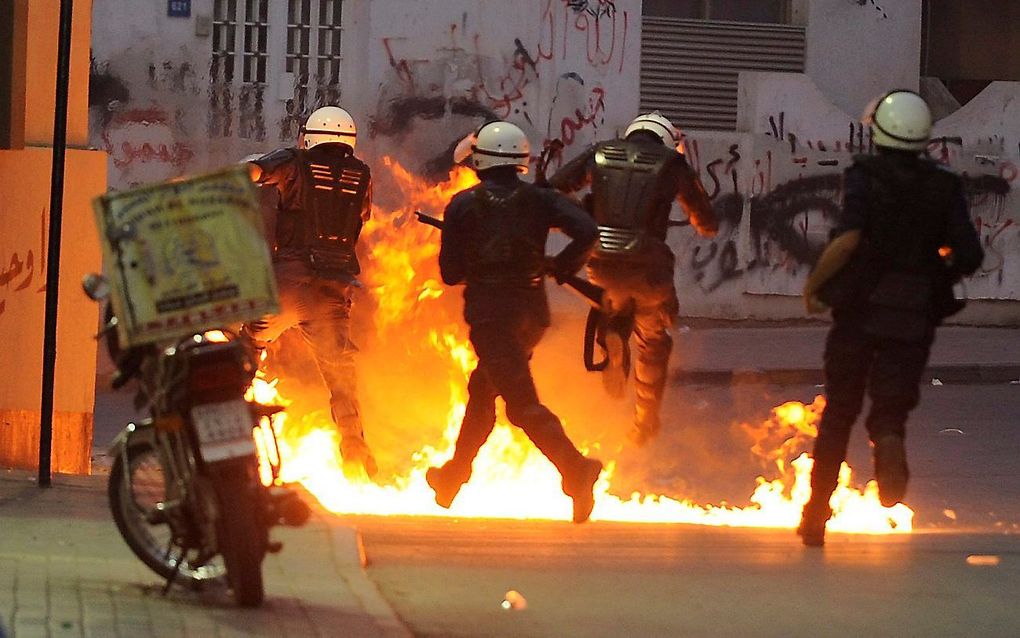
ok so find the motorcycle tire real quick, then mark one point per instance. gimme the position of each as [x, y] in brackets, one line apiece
[150, 541]
[242, 535]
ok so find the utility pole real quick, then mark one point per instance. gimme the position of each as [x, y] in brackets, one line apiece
[53, 247]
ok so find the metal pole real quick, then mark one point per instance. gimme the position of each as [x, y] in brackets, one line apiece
[53, 247]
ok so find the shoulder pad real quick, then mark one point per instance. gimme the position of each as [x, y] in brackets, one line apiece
[358, 164]
[277, 158]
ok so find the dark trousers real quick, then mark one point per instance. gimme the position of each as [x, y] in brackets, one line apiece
[888, 370]
[320, 309]
[642, 297]
[504, 348]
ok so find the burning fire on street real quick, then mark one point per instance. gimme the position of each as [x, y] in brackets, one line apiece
[414, 316]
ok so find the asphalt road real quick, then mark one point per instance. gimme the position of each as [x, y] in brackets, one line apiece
[449, 578]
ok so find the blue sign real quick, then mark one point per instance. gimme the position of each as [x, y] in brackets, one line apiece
[178, 8]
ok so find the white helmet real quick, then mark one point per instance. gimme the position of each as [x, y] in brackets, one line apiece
[463, 149]
[899, 119]
[500, 143]
[328, 125]
[656, 124]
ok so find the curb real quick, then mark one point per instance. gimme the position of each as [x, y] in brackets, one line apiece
[974, 374]
[349, 553]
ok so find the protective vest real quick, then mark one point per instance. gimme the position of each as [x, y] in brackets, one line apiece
[627, 194]
[911, 201]
[896, 283]
[506, 243]
[334, 189]
[324, 193]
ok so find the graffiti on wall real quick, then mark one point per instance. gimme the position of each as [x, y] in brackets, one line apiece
[476, 77]
[874, 5]
[24, 271]
[143, 145]
[778, 203]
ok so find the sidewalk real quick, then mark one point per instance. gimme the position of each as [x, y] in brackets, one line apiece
[793, 355]
[65, 571]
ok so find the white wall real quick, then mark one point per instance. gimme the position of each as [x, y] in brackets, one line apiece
[856, 49]
[777, 184]
[559, 72]
[416, 75]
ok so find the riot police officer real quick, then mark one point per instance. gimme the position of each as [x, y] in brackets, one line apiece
[324, 199]
[903, 238]
[634, 182]
[493, 241]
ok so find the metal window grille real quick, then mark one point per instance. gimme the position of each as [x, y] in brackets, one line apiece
[689, 68]
[256, 31]
[299, 21]
[329, 34]
[224, 39]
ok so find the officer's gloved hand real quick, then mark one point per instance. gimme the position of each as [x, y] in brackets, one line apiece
[555, 270]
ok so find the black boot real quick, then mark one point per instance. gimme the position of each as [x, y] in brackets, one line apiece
[446, 482]
[891, 469]
[357, 458]
[812, 524]
[581, 488]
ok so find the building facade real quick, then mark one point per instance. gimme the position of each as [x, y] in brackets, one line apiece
[769, 93]
[28, 61]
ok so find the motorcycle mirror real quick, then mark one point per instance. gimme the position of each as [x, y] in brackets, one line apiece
[96, 286]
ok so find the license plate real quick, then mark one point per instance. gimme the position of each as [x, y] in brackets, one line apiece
[224, 429]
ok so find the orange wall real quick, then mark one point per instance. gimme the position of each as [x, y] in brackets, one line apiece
[24, 204]
[42, 23]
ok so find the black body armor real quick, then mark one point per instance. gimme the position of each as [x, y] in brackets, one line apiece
[324, 195]
[627, 194]
[333, 200]
[912, 201]
[897, 278]
[507, 245]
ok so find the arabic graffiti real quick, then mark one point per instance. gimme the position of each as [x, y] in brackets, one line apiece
[17, 273]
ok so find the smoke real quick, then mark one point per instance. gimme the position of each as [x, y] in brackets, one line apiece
[408, 381]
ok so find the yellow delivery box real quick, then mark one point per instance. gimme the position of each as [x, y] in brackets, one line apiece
[186, 256]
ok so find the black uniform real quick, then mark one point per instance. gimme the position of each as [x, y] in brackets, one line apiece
[887, 302]
[634, 183]
[493, 241]
[324, 199]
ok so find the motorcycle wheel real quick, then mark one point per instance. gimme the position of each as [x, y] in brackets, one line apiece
[243, 538]
[132, 509]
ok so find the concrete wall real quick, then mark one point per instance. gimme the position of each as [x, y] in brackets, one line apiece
[418, 77]
[776, 182]
[415, 77]
[858, 48]
[24, 214]
[777, 187]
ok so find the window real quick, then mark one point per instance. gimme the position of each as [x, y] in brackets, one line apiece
[314, 29]
[769, 11]
[256, 30]
[254, 39]
[329, 41]
[273, 49]
[966, 45]
[224, 39]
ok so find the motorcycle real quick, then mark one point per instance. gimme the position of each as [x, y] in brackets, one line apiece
[186, 488]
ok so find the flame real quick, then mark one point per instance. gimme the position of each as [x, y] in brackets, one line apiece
[511, 479]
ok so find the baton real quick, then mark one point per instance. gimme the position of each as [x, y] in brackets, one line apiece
[591, 293]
